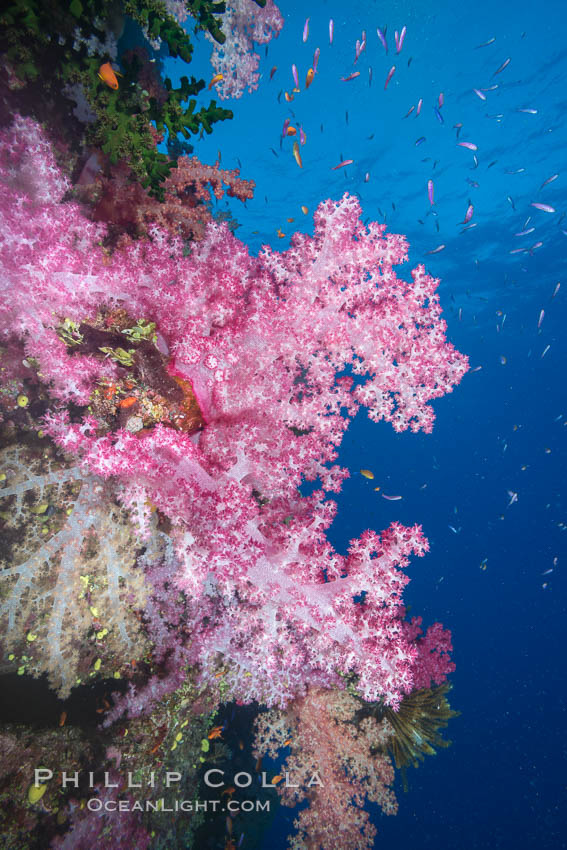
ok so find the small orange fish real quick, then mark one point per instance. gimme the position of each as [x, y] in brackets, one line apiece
[309, 77]
[258, 767]
[291, 219]
[107, 74]
[304, 209]
[230, 790]
[63, 718]
[127, 402]
[218, 78]
[297, 155]
[287, 743]
[277, 779]
[216, 732]
[288, 97]
[280, 233]
[367, 473]
[291, 131]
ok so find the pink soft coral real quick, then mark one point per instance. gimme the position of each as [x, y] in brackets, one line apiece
[244, 22]
[263, 343]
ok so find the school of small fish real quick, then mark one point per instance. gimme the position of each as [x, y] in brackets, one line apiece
[352, 78]
[365, 44]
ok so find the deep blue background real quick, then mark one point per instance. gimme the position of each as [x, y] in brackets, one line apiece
[502, 784]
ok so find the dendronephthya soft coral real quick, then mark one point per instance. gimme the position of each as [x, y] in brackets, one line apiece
[263, 345]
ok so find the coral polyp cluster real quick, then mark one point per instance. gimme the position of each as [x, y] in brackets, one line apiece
[144, 391]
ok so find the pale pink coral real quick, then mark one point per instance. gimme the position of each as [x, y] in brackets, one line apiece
[243, 23]
[334, 764]
[27, 163]
[176, 8]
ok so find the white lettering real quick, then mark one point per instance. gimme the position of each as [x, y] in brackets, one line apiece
[289, 784]
[267, 784]
[244, 784]
[131, 783]
[66, 780]
[213, 784]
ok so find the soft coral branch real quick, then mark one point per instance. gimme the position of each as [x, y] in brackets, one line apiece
[333, 763]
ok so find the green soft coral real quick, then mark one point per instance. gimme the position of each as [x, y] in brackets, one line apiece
[204, 12]
[154, 18]
[176, 119]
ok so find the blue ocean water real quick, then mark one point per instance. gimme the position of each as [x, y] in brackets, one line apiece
[502, 431]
